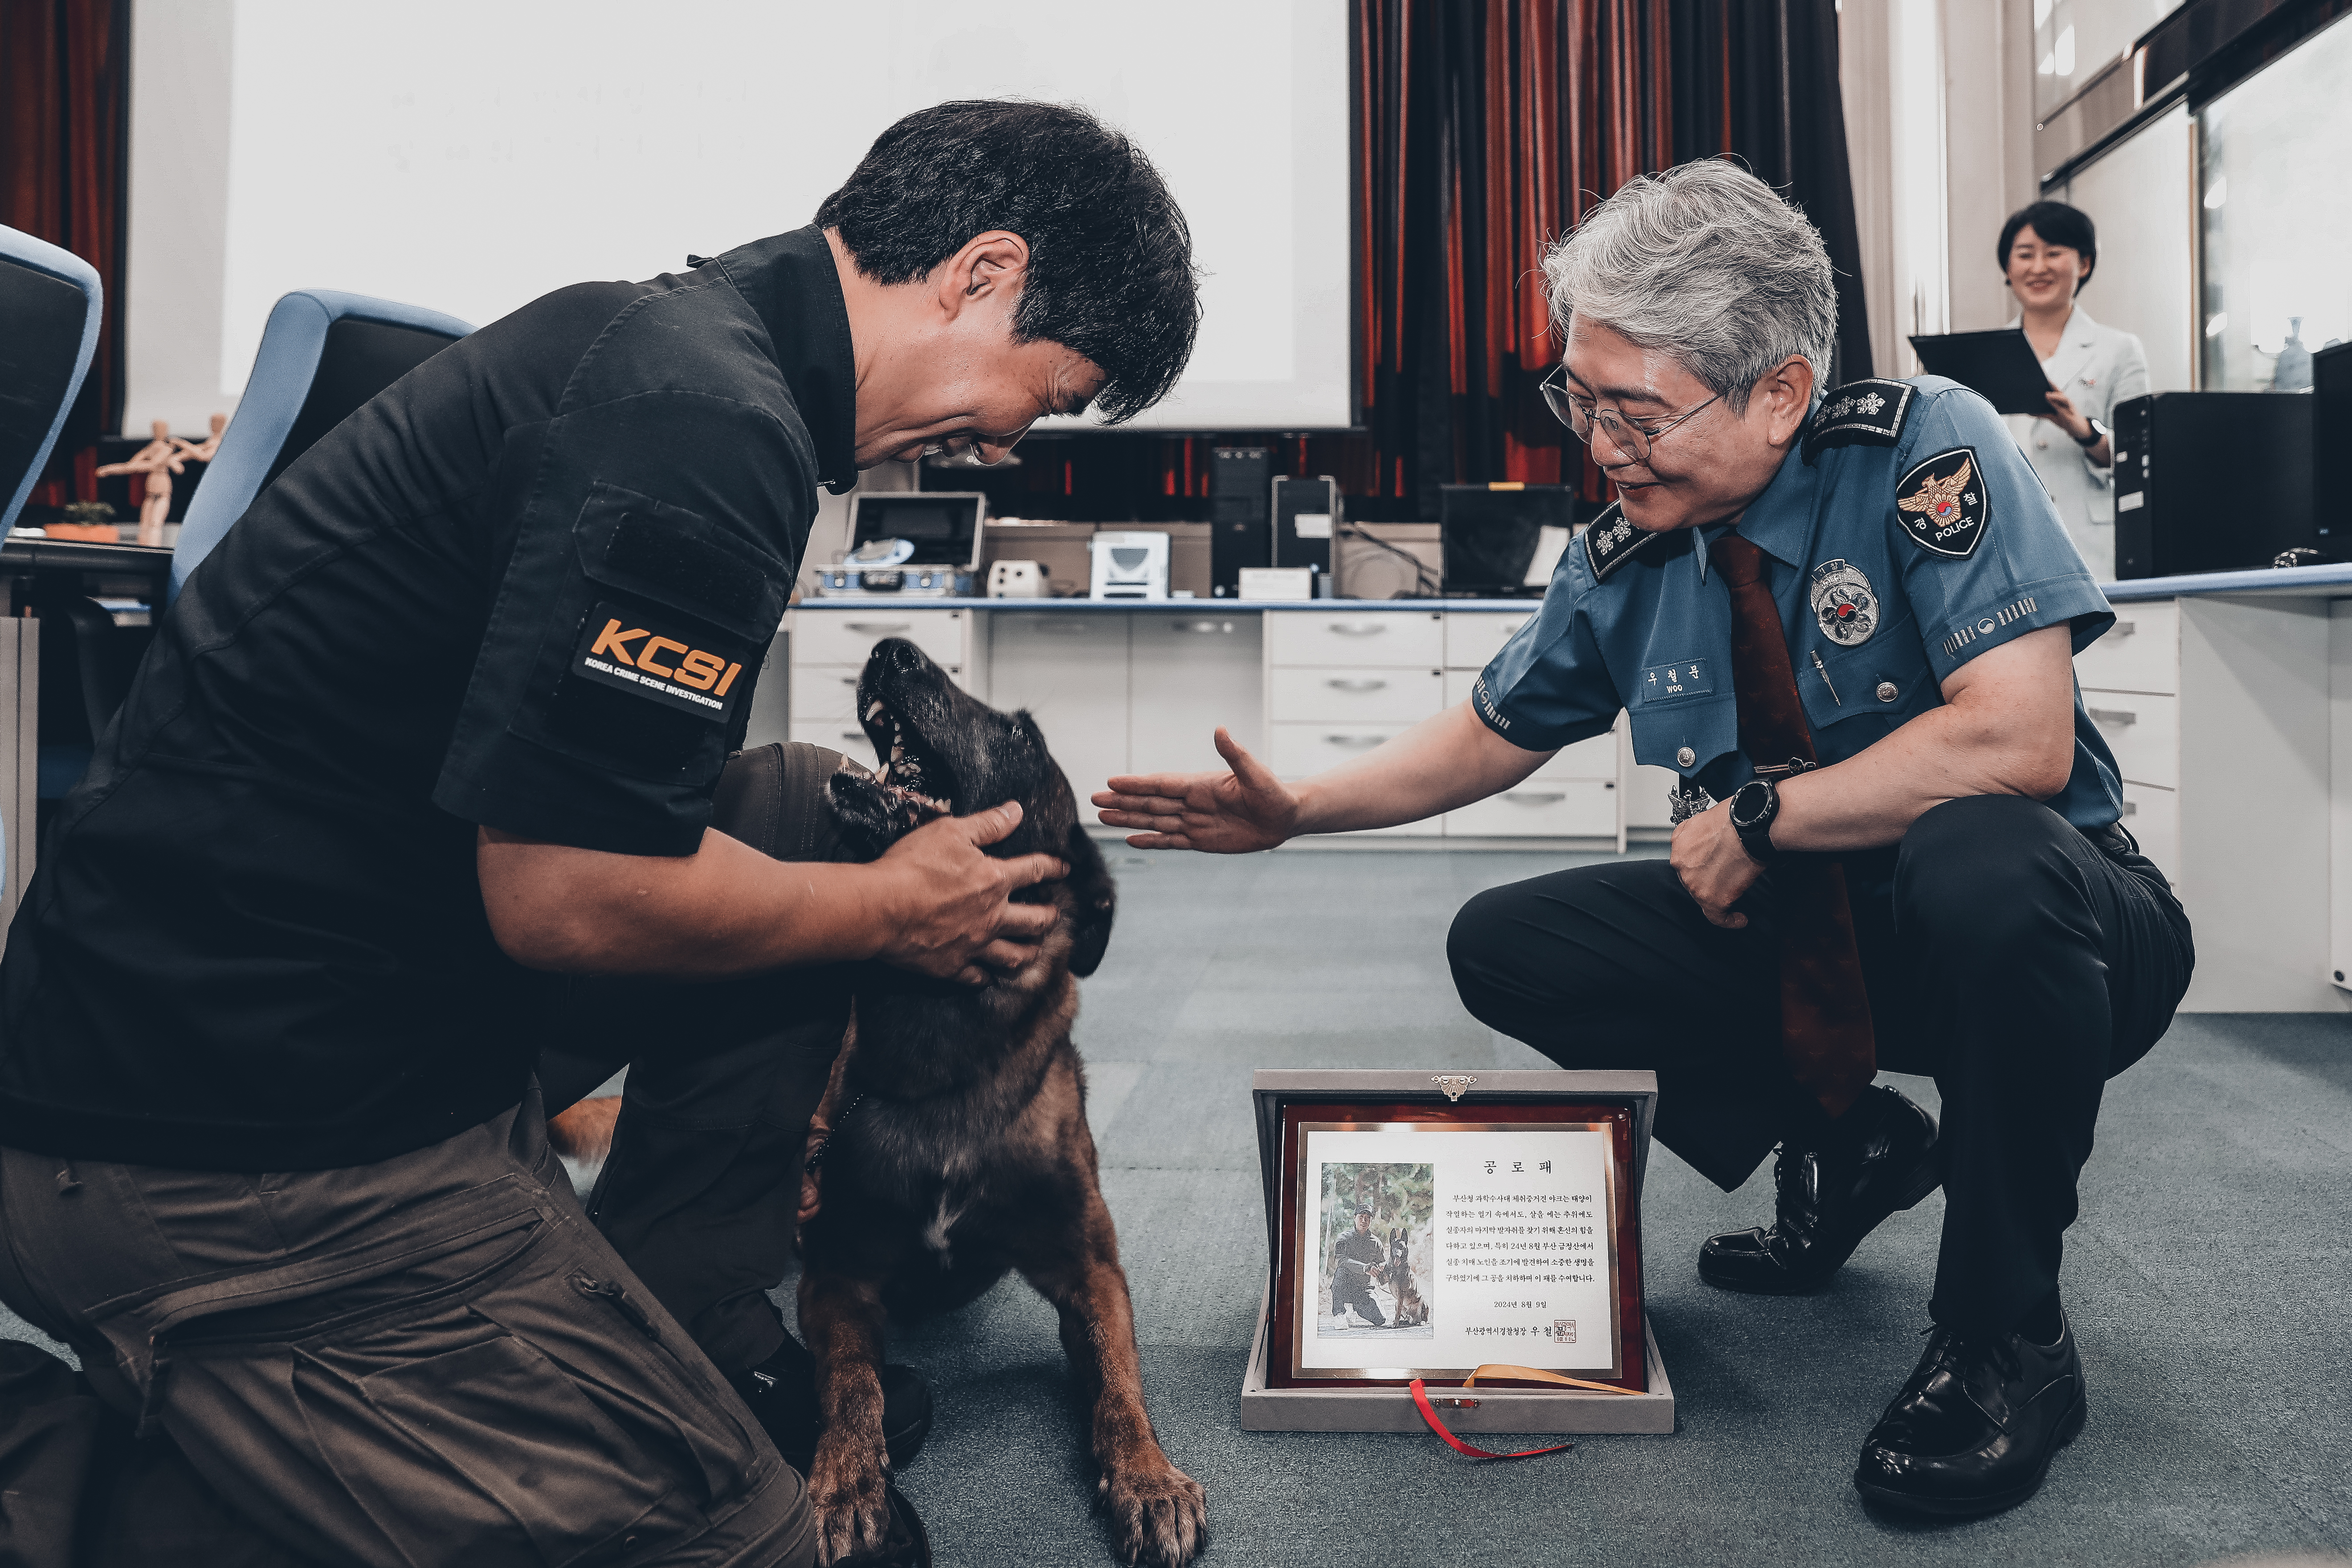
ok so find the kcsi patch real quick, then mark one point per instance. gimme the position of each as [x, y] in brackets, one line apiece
[1942, 504]
[624, 651]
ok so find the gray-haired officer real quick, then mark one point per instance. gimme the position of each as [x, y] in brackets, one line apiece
[1847, 622]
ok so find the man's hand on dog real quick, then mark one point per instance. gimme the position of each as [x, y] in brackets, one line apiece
[954, 918]
[1232, 813]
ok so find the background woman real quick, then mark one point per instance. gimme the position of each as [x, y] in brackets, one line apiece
[2047, 252]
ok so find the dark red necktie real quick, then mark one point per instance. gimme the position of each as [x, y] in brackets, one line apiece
[1825, 1035]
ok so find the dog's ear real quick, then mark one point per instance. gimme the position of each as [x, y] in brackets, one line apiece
[1097, 897]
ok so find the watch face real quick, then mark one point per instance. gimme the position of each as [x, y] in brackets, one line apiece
[1748, 803]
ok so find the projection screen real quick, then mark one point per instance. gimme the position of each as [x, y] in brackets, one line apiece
[472, 154]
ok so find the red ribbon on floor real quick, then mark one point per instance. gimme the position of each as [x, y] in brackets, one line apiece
[1429, 1413]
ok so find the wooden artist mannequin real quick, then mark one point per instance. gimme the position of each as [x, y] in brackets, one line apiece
[156, 462]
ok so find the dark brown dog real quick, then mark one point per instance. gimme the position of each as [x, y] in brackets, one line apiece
[957, 1148]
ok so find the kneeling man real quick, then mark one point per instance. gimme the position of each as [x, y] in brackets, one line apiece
[1847, 622]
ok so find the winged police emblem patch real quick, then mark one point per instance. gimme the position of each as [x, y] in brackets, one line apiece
[1942, 505]
[1844, 603]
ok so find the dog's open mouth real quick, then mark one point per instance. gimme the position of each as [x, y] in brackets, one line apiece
[910, 774]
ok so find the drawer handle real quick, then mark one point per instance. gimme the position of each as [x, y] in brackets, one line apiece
[878, 627]
[2122, 629]
[2131, 808]
[1061, 626]
[1353, 740]
[1202, 627]
[853, 735]
[1356, 628]
[1337, 684]
[2113, 715]
[849, 680]
[1535, 796]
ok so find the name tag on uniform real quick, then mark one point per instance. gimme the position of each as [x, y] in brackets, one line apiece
[1666, 681]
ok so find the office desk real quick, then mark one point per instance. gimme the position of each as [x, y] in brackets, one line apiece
[2227, 699]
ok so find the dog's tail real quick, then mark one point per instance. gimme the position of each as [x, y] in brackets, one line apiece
[583, 1132]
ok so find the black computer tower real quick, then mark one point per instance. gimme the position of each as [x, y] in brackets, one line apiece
[1241, 530]
[1305, 514]
[2331, 439]
[2212, 481]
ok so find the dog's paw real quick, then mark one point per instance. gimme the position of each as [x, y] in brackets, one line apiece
[853, 1507]
[1159, 1516]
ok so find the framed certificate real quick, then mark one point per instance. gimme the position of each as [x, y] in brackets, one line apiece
[1423, 1225]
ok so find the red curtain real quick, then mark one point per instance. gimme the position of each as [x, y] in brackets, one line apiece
[64, 111]
[1488, 127]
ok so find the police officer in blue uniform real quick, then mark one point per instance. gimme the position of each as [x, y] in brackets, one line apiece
[1847, 622]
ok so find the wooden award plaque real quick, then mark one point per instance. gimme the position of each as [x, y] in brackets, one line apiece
[1422, 1225]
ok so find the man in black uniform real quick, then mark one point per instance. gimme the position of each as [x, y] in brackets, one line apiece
[447, 708]
[1351, 1286]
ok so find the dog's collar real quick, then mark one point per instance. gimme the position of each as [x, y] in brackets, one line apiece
[817, 1145]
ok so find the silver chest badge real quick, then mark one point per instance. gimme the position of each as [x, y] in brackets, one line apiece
[1844, 603]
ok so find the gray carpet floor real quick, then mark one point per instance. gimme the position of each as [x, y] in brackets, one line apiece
[2208, 1277]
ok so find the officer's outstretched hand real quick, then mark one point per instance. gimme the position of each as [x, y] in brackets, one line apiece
[1230, 813]
[950, 912]
[1716, 868]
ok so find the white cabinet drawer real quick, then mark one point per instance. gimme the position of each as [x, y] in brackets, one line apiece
[836, 735]
[2144, 732]
[2141, 652]
[1540, 808]
[825, 691]
[1406, 696]
[1473, 637]
[829, 691]
[2152, 816]
[1295, 751]
[1592, 759]
[847, 635]
[1376, 639]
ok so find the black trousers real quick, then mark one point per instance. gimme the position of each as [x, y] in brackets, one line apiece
[2004, 954]
[699, 1193]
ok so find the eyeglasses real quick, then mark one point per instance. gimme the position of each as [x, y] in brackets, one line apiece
[1582, 416]
[972, 451]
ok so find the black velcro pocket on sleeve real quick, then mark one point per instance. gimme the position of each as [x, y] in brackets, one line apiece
[681, 559]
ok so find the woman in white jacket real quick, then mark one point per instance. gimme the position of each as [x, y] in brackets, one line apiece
[2047, 252]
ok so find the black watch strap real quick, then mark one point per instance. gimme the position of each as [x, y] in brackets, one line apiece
[1754, 807]
[2098, 434]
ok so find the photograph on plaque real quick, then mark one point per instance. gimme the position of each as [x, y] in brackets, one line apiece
[1420, 1243]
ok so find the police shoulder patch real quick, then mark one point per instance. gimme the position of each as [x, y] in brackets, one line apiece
[1866, 412]
[1942, 504]
[1610, 542]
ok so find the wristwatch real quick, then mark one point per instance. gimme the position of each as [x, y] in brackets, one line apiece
[2098, 434]
[1754, 804]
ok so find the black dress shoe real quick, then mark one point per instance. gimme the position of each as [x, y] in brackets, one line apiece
[1880, 1157]
[782, 1393]
[1975, 1429]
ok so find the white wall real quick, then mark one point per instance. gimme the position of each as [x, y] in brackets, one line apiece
[2140, 195]
[178, 221]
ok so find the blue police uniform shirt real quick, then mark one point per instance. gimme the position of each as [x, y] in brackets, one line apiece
[1905, 537]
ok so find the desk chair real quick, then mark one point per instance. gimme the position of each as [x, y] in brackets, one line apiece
[50, 302]
[49, 299]
[322, 354]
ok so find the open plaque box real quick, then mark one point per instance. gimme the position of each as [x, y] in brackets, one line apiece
[1424, 1223]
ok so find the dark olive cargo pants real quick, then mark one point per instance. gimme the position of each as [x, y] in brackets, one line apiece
[432, 1359]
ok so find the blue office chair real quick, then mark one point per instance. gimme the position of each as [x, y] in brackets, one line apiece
[322, 354]
[49, 300]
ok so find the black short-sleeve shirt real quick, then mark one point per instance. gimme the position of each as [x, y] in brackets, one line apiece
[529, 586]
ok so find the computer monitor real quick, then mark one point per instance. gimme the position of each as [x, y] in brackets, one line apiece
[943, 526]
[1501, 542]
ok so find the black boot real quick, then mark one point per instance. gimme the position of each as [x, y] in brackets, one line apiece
[1879, 1157]
[782, 1392]
[1975, 1429]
